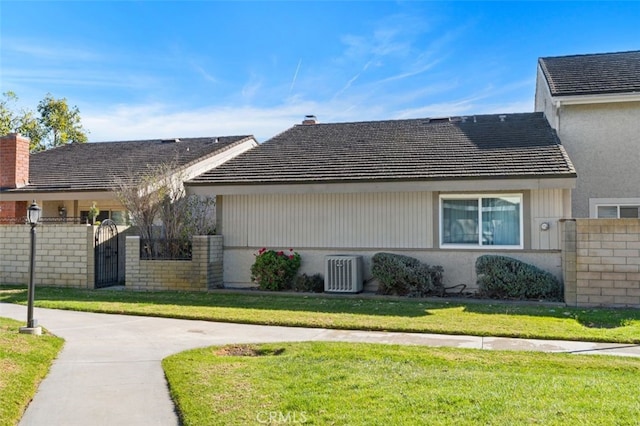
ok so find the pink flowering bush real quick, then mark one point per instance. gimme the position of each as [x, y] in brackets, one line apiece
[275, 270]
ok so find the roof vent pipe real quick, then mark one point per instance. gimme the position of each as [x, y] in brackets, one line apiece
[310, 119]
[502, 117]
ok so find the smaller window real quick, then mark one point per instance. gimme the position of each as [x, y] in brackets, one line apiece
[618, 212]
[630, 212]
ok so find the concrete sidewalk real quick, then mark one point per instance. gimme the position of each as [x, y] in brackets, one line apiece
[109, 371]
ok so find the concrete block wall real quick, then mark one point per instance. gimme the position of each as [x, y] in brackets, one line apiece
[606, 271]
[215, 269]
[64, 255]
[569, 258]
[202, 272]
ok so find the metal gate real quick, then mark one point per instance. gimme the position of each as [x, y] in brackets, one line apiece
[106, 254]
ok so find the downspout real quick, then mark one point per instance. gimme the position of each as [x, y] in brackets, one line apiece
[557, 105]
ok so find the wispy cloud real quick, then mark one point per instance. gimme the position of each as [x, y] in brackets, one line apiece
[393, 36]
[75, 77]
[407, 74]
[295, 76]
[207, 76]
[148, 121]
[47, 50]
[251, 88]
[352, 80]
[390, 53]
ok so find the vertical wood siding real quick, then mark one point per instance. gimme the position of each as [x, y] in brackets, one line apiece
[547, 203]
[546, 206]
[365, 220]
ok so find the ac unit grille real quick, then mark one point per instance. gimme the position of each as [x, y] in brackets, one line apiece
[343, 274]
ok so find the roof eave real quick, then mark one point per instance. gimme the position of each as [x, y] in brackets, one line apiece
[57, 194]
[478, 184]
[371, 180]
[600, 98]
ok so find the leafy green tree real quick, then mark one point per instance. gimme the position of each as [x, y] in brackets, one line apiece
[7, 118]
[23, 122]
[61, 124]
[56, 125]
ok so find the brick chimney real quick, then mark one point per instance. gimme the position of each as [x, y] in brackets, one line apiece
[309, 120]
[14, 172]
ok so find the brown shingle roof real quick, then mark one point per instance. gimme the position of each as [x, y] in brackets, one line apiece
[92, 166]
[604, 73]
[485, 146]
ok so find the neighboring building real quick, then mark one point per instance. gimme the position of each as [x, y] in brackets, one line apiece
[65, 181]
[593, 102]
[443, 190]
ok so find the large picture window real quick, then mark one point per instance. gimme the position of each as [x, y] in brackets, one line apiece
[469, 221]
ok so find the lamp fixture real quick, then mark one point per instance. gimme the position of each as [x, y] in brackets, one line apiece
[33, 214]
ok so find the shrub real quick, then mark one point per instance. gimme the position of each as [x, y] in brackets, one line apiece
[309, 284]
[404, 275]
[506, 278]
[275, 270]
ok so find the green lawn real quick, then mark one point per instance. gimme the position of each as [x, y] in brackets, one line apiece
[353, 312]
[24, 362]
[367, 384]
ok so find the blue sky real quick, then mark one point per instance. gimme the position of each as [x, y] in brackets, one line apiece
[145, 69]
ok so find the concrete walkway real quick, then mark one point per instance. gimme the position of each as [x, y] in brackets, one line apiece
[109, 371]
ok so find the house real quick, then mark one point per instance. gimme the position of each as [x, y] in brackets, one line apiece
[593, 103]
[67, 180]
[444, 190]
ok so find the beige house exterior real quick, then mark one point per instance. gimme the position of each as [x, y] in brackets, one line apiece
[374, 219]
[593, 103]
[363, 188]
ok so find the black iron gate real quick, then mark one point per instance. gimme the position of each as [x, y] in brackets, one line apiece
[106, 254]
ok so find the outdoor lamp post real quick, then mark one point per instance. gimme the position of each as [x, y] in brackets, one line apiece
[33, 215]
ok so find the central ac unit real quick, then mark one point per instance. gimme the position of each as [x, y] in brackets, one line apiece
[343, 274]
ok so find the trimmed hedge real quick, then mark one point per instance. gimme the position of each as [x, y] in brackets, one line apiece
[406, 276]
[309, 284]
[502, 277]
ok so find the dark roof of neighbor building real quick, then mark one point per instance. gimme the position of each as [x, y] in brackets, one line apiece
[93, 166]
[473, 147]
[603, 73]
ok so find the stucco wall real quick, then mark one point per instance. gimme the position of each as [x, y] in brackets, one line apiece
[51, 208]
[64, 255]
[459, 266]
[603, 142]
[202, 272]
[601, 262]
[543, 102]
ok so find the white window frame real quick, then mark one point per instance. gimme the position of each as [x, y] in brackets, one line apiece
[594, 203]
[479, 198]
